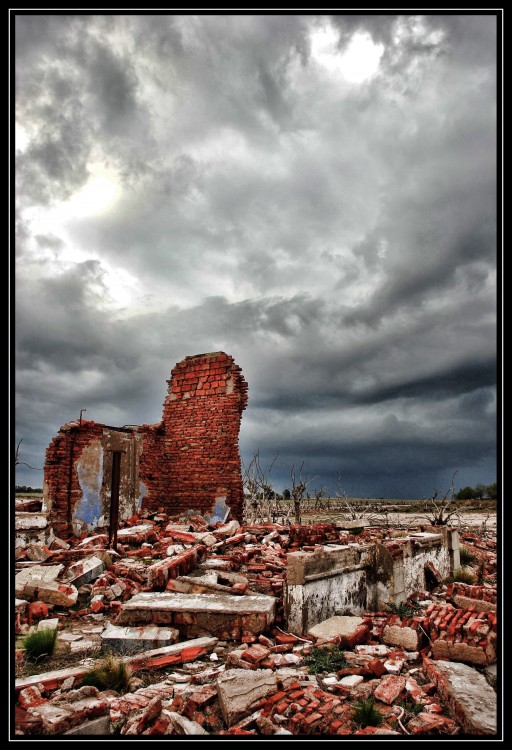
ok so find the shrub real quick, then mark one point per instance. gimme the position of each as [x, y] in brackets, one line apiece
[461, 575]
[325, 659]
[466, 556]
[111, 673]
[366, 715]
[40, 644]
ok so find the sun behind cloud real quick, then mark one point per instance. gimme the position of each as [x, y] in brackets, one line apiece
[356, 64]
[99, 194]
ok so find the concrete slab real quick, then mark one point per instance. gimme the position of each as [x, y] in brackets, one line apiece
[130, 640]
[238, 689]
[466, 692]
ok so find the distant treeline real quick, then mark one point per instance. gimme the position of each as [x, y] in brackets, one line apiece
[22, 488]
[477, 493]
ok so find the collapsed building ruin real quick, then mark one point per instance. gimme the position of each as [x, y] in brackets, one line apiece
[96, 475]
[149, 569]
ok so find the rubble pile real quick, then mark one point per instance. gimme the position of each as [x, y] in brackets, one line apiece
[195, 609]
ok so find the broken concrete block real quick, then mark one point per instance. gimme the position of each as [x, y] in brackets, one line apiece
[131, 640]
[182, 725]
[239, 689]
[340, 627]
[470, 699]
[85, 571]
[404, 637]
[389, 688]
[205, 537]
[38, 582]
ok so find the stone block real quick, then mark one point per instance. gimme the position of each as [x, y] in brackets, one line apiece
[404, 637]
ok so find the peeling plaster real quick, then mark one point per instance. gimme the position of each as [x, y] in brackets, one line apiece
[89, 469]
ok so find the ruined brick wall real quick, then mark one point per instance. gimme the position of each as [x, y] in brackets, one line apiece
[201, 419]
[62, 489]
[78, 476]
[186, 462]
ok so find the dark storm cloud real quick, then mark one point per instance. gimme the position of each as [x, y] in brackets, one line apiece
[338, 240]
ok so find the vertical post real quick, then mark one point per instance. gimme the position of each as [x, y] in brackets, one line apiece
[114, 499]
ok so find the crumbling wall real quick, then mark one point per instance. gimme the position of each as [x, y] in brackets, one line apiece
[189, 461]
[78, 476]
[329, 581]
[349, 579]
[201, 422]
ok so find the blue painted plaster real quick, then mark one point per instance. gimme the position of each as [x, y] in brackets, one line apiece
[89, 508]
[143, 489]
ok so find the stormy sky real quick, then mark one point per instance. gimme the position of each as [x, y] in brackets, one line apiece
[314, 195]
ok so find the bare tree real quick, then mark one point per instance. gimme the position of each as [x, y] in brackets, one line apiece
[18, 462]
[260, 493]
[440, 509]
[298, 490]
[355, 512]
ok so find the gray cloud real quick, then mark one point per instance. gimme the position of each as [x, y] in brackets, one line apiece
[338, 239]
